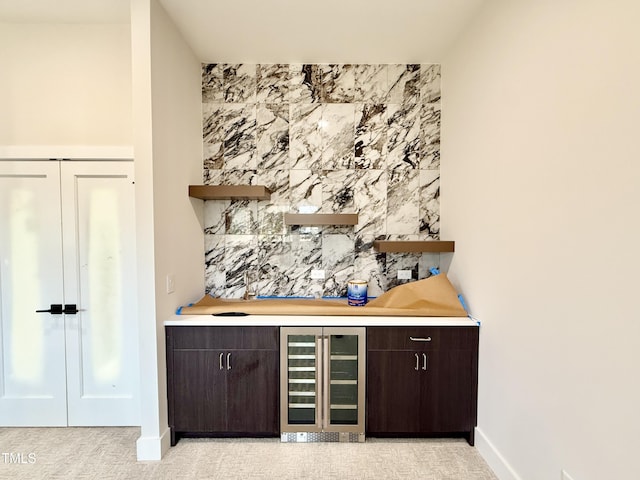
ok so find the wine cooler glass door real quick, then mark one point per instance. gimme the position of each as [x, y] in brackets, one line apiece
[342, 397]
[303, 374]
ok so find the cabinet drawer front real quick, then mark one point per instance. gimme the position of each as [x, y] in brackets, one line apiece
[227, 338]
[422, 338]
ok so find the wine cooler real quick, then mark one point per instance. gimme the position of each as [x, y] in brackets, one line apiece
[322, 384]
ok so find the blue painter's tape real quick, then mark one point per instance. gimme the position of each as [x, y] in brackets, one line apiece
[266, 297]
[462, 302]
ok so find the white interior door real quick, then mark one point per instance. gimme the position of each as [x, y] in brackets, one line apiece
[67, 237]
[100, 279]
[32, 370]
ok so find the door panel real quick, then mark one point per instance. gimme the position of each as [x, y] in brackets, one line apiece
[67, 236]
[393, 392]
[99, 275]
[252, 386]
[446, 392]
[32, 373]
[199, 390]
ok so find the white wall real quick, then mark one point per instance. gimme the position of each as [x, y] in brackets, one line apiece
[168, 155]
[540, 190]
[65, 84]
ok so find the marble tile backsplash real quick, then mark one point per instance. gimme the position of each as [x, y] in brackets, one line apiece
[323, 138]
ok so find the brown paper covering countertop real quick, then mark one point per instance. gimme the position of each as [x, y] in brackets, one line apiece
[431, 297]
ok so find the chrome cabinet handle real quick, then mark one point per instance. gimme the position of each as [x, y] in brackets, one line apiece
[228, 361]
[424, 361]
[220, 360]
[420, 339]
[417, 361]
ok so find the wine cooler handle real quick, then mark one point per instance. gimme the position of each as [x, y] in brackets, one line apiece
[228, 361]
[319, 377]
[424, 361]
[220, 360]
[326, 354]
[417, 362]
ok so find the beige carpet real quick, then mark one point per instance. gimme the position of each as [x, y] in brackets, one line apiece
[109, 453]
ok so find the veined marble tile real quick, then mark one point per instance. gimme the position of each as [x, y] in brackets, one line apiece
[271, 219]
[306, 253]
[430, 202]
[404, 83]
[338, 83]
[213, 125]
[371, 136]
[212, 176]
[271, 212]
[212, 90]
[213, 158]
[430, 83]
[306, 142]
[370, 265]
[240, 217]
[344, 138]
[338, 189]
[403, 136]
[430, 136]
[273, 82]
[214, 265]
[239, 82]
[371, 84]
[306, 83]
[305, 191]
[212, 135]
[427, 261]
[337, 134]
[277, 181]
[370, 201]
[274, 264]
[337, 261]
[215, 216]
[240, 136]
[304, 286]
[272, 135]
[403, 202]
[240, 177]
[306, 249]
[401, 261]
[241, 255]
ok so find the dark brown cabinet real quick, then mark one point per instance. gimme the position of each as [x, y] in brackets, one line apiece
[223, 381]
[422, 381]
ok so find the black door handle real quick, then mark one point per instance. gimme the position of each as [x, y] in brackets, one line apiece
[70, 309]
[54, 309]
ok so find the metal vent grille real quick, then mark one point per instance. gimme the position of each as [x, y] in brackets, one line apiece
[316, 437]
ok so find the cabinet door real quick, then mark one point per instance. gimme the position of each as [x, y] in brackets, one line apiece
[252, 391]
[446, 391]
[393, 392]
[199, 391]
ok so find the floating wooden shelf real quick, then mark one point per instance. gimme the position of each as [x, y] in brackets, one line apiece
[409, 246]
[230, 192]
[320, 218]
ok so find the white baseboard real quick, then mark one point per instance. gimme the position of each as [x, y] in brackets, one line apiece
[153, 448]
[494, 458]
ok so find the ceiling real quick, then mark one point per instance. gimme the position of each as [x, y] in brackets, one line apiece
[286, 31]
